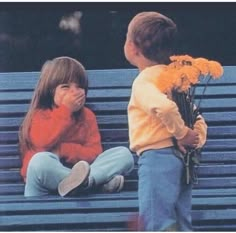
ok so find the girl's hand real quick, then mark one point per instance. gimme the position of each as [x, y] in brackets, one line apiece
[74, 99]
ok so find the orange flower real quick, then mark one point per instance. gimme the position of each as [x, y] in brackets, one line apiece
[202, 65]
[192, 74]
[182, 58]
[185, 71]
[164, 82]
[182, 83]
[216, 70]
[175, 65]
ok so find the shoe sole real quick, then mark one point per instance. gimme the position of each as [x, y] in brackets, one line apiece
[79, 173]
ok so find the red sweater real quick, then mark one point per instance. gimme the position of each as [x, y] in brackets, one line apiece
[55, 130]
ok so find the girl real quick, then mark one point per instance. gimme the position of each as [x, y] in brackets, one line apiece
[59, 137]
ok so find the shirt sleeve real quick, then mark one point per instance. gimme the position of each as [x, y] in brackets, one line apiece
[153, 101]
[48, 126]
[89, 150]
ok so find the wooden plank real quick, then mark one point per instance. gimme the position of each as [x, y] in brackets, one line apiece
[114, 77]
[216, 182]
[61, 219]
[123, 195]
[111, 93]
[13, 109]
[214, 215]
[62, 205]
[211, 92]
[14, 122]
[18, 188]
[121, 106]
[220, 145]
[214, 202]
[97, 78]
[109, 107]
[14, 221]
[215, 91]
[9, 150]
[12, 189]
[84, 205]
[103, 94]
[215, 228]
[212, 118]
[218, 118]
[12, 149]
[220, 157]
[106, 134]
[10, 176]
[119, 135]
[203, 194]
[215, 150]
[221, 103]
[203, 171]
[221, 131]
[214, 192]
[8, 162]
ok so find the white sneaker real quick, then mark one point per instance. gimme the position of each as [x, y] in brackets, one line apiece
[114, 185]
[78, 175]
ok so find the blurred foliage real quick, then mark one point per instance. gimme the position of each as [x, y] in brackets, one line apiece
[30, 32]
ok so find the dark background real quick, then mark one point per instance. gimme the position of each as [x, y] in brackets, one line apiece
[30, 32]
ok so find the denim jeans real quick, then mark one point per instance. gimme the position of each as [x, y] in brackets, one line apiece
[164, 198]
[45, 170]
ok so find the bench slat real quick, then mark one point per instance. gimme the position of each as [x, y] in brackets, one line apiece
[98, 78]
[86, 205]
[218, 157]
[79, 219]
[202, 171]
[121, 106]
[16, 222]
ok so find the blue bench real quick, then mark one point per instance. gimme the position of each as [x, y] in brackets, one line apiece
[214, 197]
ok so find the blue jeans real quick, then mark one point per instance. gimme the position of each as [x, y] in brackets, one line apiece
[45, 170]
[164, 198]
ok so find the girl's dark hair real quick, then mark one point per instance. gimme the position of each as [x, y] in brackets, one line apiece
[154, 34]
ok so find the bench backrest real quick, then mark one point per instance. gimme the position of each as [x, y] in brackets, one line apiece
[108, 96]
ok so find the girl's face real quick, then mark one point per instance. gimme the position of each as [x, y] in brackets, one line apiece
[64, 89]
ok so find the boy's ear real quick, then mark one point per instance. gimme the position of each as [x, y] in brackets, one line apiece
[133, 48]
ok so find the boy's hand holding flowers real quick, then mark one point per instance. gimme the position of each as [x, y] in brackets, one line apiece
[191, 139]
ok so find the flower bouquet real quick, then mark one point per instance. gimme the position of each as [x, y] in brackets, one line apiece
[178, 81]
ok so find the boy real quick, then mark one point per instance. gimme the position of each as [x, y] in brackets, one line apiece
[154, 119]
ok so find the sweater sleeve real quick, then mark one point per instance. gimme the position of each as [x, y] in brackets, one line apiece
[48, 126]
[153, 101]
[88, 150]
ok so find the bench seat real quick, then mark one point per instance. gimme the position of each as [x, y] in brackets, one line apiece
[213, 197]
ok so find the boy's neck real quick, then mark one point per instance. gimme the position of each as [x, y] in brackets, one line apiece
[144, 63]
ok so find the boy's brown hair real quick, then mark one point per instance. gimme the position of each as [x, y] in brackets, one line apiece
[154, 34]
